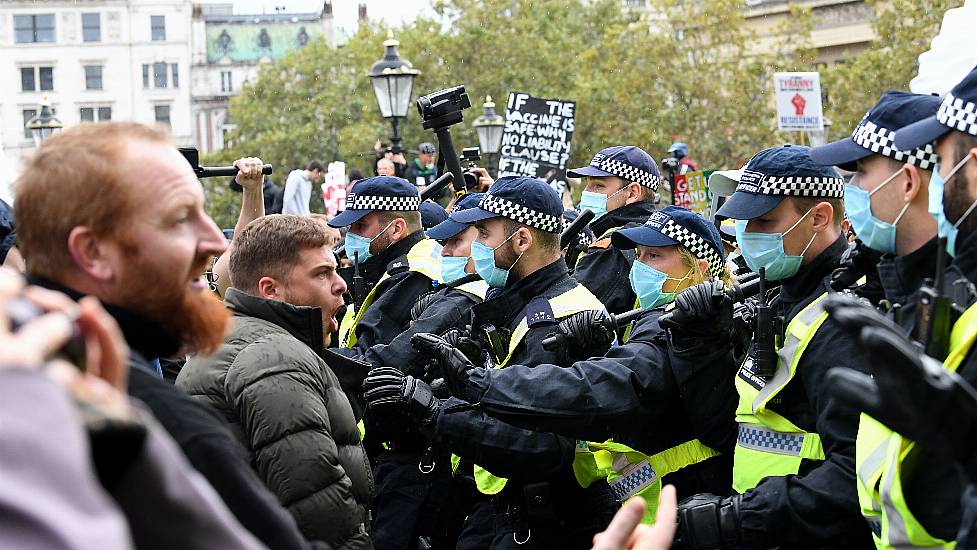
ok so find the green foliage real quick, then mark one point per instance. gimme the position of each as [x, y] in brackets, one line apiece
[681, 70]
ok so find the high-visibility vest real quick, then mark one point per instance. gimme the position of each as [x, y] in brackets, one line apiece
[632, 473]
[573, 301]
[476, 288]
[879, 456]
[424, 258]
[767, 443]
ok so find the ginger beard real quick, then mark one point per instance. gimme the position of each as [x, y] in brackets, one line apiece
[181, 302]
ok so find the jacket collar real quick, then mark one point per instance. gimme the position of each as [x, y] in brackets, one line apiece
[966, 257]
[636, 212]
[374, 268]
[502, 306]
[302, 322]
[146, 337]
[901, 276]
[810, 276]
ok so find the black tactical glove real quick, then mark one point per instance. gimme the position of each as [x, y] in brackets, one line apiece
[910, 393]
[707, 521]
[422, 304]
[853, 314]
[454, 364]
[386, 388]
[702, 310]
[587, 331]
[471, 347]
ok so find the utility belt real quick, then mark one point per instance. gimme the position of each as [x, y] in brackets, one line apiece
[520, 506]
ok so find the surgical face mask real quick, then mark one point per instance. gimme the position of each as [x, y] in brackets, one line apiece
[766, 250]
[945, 228]
[358, 247]
[596, 201]
[484, 258]
[873, 232]
[453, 268]
[647, 284]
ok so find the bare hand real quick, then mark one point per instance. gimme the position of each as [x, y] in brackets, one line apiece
[484, 180]
[627, 533]
[399, 159]
[249, 173]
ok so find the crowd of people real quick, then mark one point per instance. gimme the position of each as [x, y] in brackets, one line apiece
[795, 373]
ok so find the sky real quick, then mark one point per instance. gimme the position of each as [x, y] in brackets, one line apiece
[345, 11]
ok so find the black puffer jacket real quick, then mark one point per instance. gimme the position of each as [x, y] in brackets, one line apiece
[286, 406]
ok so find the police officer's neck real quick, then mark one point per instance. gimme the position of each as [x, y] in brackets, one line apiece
[822, 241]
[532, 261]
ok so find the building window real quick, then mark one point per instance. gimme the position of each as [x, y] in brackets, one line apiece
[95, 114]
[33, 28]
[91, 27]
[28, 115]
[175, 74]
[158, 27]
[162, 114]
[159, 75]
[145, 75]
[93, 77]
[226, 83]
[33, 79]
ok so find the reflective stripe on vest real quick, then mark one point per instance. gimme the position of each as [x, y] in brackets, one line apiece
[767, 443]
[632, 473]
[476, 288]
[424, 258]
[880, 453]
[573, 301]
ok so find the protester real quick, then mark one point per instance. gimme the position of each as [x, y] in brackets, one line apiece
[424, 170]
[398, 160]
[114, 211]
[298, 188]
[385, 167]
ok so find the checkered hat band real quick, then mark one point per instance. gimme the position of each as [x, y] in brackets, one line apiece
[521, 214]
[880, 140]
[958, 114]
[696, 245]
[629, 173]
[378, 202]
[797, 186]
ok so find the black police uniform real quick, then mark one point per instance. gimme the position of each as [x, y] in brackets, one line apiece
[818, 506]
[604, 269]
[525, 457]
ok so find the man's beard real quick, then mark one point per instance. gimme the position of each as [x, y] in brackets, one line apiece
[958, 200]
[194, 317]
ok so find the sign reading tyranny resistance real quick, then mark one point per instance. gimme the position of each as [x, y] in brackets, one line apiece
[691, 191]
[798, 101]
[537, 138]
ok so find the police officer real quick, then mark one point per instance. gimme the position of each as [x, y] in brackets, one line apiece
[794, 456]
[517, 252]
[901, 481]
[666, 424]
[887, 199]
[621, 186]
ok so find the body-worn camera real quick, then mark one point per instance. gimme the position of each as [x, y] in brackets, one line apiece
[470, 155]
[443, 108]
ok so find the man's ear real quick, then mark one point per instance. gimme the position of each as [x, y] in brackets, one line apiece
[92, 254]
[634, 193]
[823, 215]
[269, 289]
[912, 184]
[523, 239]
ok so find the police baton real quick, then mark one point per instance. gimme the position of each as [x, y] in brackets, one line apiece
[193, 157]
[428, 192]
[612, 323]
[568, 239]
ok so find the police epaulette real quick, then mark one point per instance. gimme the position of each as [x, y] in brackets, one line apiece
[399, 265]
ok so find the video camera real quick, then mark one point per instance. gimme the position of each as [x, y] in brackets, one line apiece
[439, 111]
[470, 155]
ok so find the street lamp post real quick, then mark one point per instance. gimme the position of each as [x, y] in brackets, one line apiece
[43, 124]
[489, 127]
[393, 81]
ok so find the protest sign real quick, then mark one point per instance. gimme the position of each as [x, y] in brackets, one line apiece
[536, 140]
[691, 192]
[798, 97]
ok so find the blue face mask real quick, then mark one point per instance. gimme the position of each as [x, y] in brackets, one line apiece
[484, 258]
[944, 227]
[873, 232]
[358, 247]
[647, 284]
[453, 268]
[766, 250]
[596, 201]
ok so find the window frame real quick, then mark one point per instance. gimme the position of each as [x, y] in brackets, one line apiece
[85, 28]
[35, 29]
[160, 77]
[153, 28]
[169, 114]
[88, 77]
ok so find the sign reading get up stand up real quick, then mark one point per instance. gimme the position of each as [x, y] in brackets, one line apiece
[798, 101]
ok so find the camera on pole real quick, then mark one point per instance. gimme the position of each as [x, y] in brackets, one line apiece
[439, 111]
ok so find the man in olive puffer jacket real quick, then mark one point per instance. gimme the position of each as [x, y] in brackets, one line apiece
[269, 381]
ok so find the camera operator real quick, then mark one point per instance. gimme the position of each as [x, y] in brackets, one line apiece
[398, 160]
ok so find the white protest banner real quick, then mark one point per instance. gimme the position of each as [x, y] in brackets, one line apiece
[537, 138]
[798, 98]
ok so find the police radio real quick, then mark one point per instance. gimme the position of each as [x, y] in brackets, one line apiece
[766, 330]
[936, 312]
